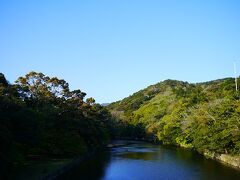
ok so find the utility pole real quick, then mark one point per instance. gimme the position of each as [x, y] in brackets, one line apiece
[235, 71]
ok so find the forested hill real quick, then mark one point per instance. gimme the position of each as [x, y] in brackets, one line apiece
[203, 116]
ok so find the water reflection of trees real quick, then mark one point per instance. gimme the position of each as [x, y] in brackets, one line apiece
[140, 155]
[92, 169]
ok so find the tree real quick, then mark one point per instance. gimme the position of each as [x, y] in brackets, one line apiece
[3, 81]
[90, 101]
[38, 86]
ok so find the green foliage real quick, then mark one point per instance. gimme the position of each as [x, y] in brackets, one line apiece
[40, 116]
[203, 116]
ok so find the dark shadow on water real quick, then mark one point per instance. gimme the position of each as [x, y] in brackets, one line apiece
[146, 156]
[92, 169]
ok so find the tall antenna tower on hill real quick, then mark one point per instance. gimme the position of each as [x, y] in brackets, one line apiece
[235, 72]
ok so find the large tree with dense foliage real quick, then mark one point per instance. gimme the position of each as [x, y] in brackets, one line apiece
[40, 116]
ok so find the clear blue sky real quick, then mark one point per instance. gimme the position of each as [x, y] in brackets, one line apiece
[112, 48]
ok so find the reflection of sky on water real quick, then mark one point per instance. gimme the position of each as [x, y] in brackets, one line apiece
[146, 161]
[140, 161]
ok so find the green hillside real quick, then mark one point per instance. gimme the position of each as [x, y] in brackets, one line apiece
[203, 116]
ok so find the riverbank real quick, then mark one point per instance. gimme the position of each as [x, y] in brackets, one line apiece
[227, 159]
[60, 171]
[47, 169]
[233, 161]
[37, 169]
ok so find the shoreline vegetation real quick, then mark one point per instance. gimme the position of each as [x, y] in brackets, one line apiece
[41, 118]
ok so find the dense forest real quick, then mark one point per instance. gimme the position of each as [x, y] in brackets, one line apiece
[202, 116]
[41, 118]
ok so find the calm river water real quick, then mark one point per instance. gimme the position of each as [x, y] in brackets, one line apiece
[140, 160]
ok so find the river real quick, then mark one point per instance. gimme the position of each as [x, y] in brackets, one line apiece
[134, 160]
